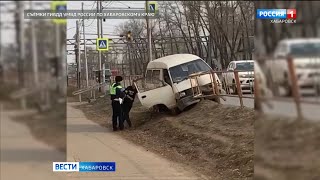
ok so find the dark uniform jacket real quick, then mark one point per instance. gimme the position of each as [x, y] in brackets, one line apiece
[130, 95]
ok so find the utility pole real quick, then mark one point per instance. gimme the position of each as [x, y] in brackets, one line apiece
[1, 61]
[85, 51]
[78, 56]
[149, 33]
[34, 50]
[20, 40]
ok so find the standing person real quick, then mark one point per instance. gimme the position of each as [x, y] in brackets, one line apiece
[117, 95]
[128, 102]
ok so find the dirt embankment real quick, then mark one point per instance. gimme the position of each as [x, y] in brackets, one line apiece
[214, 140]
[286, 149]
[48, 127]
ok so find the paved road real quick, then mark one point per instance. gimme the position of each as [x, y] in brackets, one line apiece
[23, 157]
[310, 111]
[88, 141]
[236, 102]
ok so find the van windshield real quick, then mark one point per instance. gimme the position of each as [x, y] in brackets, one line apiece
[182, 71]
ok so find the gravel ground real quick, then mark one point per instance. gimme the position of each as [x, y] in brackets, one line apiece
[286, 149]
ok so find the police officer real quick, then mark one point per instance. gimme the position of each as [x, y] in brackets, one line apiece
[117, 95]
[128, 102]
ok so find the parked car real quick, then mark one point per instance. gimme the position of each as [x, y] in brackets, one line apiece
[306, 57]
[167, 82]
[309, 80]
[246, 76]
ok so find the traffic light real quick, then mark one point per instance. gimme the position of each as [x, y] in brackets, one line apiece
[129, 36]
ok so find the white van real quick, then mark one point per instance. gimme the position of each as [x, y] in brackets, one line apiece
[167, 83]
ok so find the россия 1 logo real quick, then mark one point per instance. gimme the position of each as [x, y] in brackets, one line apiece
[277, 15]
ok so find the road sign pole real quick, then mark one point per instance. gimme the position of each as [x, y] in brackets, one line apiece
[101, 32]
[98, 32]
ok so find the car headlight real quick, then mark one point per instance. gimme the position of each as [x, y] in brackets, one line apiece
[243, 76]
[182, 94]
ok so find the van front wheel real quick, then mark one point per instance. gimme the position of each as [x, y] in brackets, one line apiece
[175, 111]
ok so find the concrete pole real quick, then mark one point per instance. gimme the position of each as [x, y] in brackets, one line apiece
[149, 34]
[85, 51]
[20, 41]
[34, 51]
[79, 56]
[1, 61]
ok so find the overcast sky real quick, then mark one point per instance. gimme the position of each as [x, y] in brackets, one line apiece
[7, 19]
[109, 25]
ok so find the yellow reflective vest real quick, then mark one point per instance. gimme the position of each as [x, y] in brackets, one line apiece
[113, 89]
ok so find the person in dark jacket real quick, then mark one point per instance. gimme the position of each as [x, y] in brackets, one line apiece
[128, 102]
[117, 94]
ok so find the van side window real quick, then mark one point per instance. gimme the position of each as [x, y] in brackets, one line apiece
[149, 75]
[156, 74]
[166, 77]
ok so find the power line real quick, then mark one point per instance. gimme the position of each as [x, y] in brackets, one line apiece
[123, 4]
[71, 28]
[90, 23]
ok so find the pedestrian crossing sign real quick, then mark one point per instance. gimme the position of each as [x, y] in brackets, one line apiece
[152, 7]
[102, 44]
[59, 6]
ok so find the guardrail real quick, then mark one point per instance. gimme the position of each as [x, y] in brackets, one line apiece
[218, 86]
[127, 80]
[295, 87]
[43, 88]
[90, 88]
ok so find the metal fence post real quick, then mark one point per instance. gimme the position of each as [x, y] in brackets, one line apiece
[294, 86]
[236, 75]
[23, 103]
[216, 87]
[257, 96]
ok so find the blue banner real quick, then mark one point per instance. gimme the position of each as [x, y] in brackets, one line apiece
[271, 14]
[97, 166]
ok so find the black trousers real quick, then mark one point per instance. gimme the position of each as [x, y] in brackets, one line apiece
[126, 107]
[117, 115]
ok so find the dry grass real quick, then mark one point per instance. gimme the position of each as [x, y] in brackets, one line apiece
[212, 139]
[286, 149]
